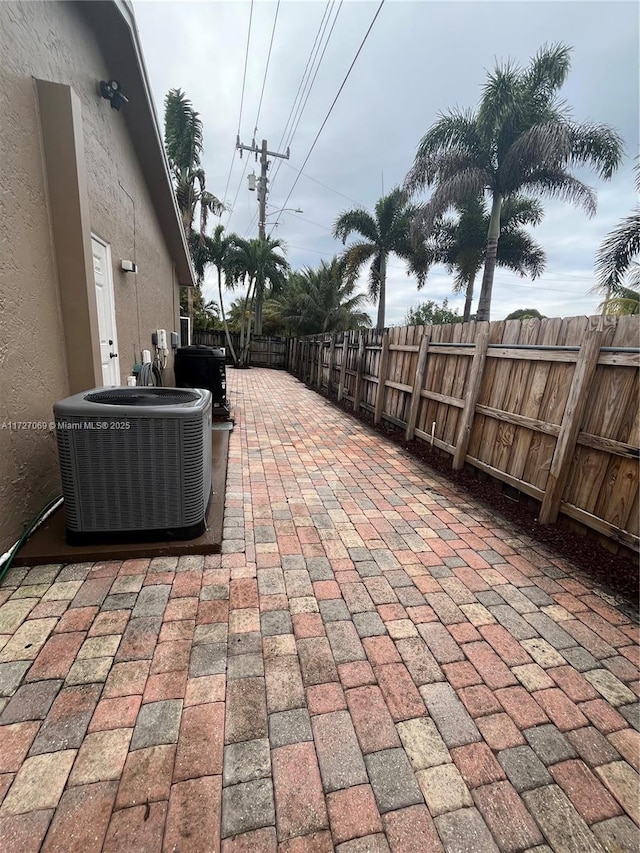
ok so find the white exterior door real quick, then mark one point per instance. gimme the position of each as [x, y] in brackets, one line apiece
[106, 311]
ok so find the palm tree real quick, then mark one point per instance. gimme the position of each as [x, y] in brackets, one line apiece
[320, 300]
[522, 138]
[460, 244]
[387, 231]
[625, 300]
[615, 264]
[256, 264]
[183, 144]
[217, 252]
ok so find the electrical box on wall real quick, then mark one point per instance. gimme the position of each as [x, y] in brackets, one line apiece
[159, 339]
[175, 340]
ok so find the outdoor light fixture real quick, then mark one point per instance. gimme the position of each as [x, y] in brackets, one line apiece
[283, 209]
[111, 91]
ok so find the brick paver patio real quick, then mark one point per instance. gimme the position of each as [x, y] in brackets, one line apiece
[374, 663]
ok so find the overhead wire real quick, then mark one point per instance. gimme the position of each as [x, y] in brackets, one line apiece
[302, 104]
[326, 186]
[303, 89]
[264, 81]
[335, 100]
[244, 80]
[304, 73]
[266, 70]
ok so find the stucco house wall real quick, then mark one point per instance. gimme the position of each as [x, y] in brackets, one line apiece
[57, 42]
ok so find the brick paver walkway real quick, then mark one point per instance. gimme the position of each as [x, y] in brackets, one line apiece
[373, 664]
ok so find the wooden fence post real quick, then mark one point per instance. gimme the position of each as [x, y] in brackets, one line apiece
[332, 360]
[359, 369]
[312, 359]
[570, 426]
[320, 369]
[382, 378]
[473, 392]
[343, 364]
[418, 381]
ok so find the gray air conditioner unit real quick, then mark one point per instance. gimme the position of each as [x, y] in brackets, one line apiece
[135, 463]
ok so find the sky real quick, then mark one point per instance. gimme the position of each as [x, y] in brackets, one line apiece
[420, 59]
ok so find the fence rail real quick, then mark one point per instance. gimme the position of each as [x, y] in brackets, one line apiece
[549, 407]
[265, 351]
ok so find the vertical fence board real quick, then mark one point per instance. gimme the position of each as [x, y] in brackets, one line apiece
[382, 378]
[357, 393]
[578, 395]
[473, 392]
[417, 387]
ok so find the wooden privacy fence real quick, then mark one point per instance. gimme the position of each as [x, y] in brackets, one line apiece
[265, 351]
[549, 407]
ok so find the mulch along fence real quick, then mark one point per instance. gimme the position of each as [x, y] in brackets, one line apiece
[549, 407]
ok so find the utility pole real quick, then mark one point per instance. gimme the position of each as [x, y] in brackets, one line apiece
[262, 180]
[262, 201]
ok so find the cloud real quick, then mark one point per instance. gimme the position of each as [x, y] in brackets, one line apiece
[421, 58]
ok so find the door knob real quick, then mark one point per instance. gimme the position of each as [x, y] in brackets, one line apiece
[113, 355]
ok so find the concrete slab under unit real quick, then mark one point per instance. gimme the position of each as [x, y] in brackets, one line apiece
[48, 543]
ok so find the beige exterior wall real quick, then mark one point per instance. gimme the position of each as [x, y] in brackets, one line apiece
[52, 41]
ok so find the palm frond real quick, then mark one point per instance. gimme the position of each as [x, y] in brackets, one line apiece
[455, 129]
[548, 69]
[456, 190]
[545, 143]
[558, 183]
[183, 131]
[596, 145]
[359, 221]
[520, 210]
[500, 102]
[450, 144]
[626, 301]
[616, 254]
[519, 252]
[355, 256]
[389, 212]
[374, 279]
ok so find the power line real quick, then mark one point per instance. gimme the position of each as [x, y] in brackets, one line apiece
[315, 74]
[326, 186]
[235, 198]
[241, 147]
[244, 79]
[304, 73]
[335, 100]
[302, 105]
[251, 224]
[266, 70]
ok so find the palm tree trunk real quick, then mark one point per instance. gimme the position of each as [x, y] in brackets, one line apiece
[468, 298]
[258, 322]
[484, 303]
[382, 292]
[247, 343]
[224, 319]
[258, 296]
[190, 306]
